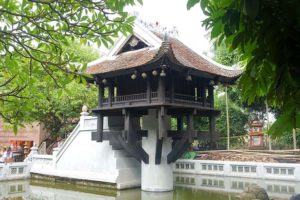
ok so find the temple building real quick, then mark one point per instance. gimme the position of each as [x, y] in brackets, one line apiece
[151, 88]
[27, 136]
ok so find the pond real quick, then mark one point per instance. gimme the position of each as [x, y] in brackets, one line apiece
[187, 187]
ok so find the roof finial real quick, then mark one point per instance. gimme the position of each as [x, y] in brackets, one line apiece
[166, 37]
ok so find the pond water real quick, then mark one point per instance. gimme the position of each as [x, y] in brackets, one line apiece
[188, 187]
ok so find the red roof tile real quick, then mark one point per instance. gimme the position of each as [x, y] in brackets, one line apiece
[174, 49]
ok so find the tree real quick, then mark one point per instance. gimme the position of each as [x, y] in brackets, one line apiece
[32, 36]
[238, 115]
[58, 108]
[59, 112]
[266, 34]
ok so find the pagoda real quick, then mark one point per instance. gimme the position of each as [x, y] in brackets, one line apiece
[256, 135]
[146, 81]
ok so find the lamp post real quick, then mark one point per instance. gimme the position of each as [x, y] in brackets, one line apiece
[227, 116]
[227, 119]
[294, 139]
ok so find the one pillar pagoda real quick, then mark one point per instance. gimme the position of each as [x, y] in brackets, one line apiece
[146, 82]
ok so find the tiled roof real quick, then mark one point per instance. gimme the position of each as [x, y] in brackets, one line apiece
[175, 50]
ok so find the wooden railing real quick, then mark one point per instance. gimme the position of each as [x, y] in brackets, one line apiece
[131, 97]
[154, 96]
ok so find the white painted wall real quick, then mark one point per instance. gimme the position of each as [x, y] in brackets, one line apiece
[81, 158]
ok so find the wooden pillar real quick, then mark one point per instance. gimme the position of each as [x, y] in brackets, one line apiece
[203, 95]
[172, 89]
[190, 127]
[148, 91]
[100, 95]
[128, 127]
[212, 128]
[110, 93]
[162, 124]
[99, 137]
[211, 95]
[161, 89]
[179, 123]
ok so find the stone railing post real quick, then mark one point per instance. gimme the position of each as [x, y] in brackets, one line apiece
[33, 151]
[83, 114]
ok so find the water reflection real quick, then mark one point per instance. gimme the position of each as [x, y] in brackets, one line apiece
[199, 187]
[275, 188]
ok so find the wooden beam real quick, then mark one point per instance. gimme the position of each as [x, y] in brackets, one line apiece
[179, 148]
[133, 149]
[158, 151]
[148, 90]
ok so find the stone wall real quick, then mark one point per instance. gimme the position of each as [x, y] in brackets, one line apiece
[31, 132]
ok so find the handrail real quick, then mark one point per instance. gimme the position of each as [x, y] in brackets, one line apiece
[68, 141]
[154, 95]
[139, 96]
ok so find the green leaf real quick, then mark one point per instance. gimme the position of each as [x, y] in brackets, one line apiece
[191, 3]
[216, 30]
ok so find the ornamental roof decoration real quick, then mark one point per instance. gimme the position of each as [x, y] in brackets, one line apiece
[145, 47]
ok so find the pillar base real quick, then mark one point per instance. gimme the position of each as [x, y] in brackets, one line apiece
[156, 177]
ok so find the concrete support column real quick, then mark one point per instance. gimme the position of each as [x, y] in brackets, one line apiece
[156, 177]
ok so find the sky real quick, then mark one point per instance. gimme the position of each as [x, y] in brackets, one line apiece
[171, 13]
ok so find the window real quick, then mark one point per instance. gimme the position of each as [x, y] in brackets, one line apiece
[187, 166]
[243, 169]
[209, 167]
[291, 171]
[212, 167]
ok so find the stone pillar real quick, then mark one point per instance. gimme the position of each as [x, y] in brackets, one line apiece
[156, 177]
[157, 195]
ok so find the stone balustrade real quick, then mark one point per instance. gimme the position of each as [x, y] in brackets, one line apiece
[12, 171]
[278, 171]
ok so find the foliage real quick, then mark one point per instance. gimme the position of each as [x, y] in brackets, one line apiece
[238, 118]
[33, 34]
[58, 108]
[285, 141]
[223, 56]
[266, 34]
[59, 112]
